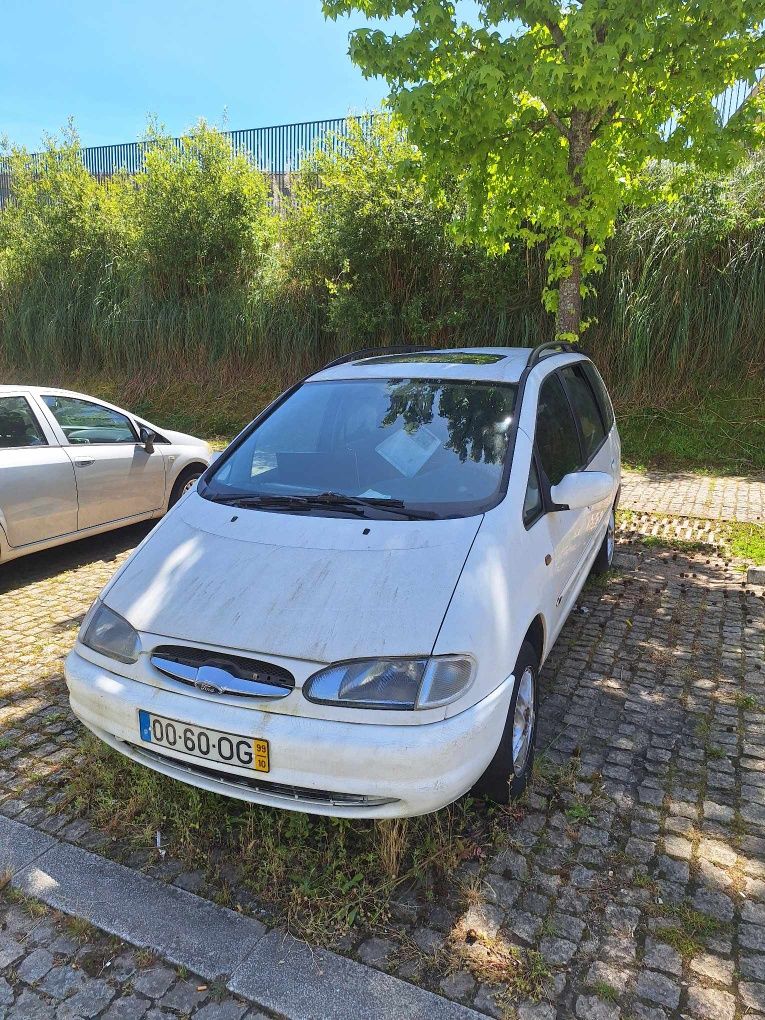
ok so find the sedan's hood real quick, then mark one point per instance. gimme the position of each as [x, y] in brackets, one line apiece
[182, 438]
[302, 586]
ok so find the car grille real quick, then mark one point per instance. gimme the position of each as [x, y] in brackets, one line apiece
[281, 790]
[221, 673]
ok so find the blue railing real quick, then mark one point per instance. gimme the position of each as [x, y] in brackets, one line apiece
[278, 151]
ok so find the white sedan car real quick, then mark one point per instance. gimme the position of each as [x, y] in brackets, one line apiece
[72, 466]
[349, 614]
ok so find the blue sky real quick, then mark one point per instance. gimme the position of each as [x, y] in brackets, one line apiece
[111, 64]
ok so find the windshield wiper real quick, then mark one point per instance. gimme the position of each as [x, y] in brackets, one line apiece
[390, 505]
[353, 504]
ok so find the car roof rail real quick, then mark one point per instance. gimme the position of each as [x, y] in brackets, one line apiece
[549, 348]
[371, 352]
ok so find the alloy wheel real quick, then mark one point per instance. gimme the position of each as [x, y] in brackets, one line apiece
[523, 720]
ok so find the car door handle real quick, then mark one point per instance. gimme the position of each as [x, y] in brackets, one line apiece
[85, 461]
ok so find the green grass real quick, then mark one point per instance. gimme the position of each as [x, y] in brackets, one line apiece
[670, 542]
[318, 876]
[688, 929]
[605, 991]
[747, 542]
[723, 433]
[747, 703]
[579, 813]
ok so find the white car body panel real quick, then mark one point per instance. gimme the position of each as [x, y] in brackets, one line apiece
[55, 493]
[301, 591]
[281, 584]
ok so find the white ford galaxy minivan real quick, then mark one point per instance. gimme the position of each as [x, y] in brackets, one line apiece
[348, 614]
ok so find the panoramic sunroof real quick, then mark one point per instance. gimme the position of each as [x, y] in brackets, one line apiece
[440, 357]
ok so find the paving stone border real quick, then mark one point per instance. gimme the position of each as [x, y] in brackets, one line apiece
[54, 966]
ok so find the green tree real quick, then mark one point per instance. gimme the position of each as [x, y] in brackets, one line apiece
[549, 112]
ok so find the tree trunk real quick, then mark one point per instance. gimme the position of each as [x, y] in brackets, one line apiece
[568, 319]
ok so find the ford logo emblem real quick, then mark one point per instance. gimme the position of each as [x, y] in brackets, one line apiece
[207, 688]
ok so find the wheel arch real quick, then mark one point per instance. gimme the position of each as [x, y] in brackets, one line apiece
[536, 634]
[192, 467]
[193, 464]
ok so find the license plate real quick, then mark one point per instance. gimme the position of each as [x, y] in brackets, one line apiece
[198, 741]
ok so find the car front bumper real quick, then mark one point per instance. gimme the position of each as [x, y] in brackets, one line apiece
[361, 770]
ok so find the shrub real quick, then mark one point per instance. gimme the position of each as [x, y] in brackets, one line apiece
[201, 214]
[60, 217]
[367, 242]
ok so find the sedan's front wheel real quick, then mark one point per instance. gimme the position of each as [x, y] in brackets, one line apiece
[510, 769]
[185, 481]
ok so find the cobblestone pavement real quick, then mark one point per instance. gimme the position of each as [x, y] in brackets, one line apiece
[58, 967]
[691, 495]
[636, 869]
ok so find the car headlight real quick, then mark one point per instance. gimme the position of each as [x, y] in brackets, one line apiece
[107, 632]
[403, 684]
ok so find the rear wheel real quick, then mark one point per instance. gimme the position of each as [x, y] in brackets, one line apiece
[509, 771]
[605, 557]
[185, 481]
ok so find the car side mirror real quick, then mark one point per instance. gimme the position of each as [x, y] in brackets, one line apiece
[581, 489]
[147, 437]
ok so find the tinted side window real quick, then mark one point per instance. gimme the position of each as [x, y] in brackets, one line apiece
[84, 422]
[532, 504]
[586, 408]
[601, 393]
[557, 438]
[18, 425]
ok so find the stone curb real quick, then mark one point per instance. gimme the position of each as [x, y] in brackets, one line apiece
[269, 968]
[756, 575]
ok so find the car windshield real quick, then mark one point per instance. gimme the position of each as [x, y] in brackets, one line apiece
[419, 447]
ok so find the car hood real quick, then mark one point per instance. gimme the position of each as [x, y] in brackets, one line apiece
[303, 586]
[182, 438]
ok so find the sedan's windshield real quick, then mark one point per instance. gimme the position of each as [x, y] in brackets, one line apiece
[372, 447]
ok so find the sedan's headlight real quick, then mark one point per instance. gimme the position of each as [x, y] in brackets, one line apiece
[107, 632]
[403, 684]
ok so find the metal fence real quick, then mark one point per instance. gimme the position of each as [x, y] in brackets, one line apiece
[280, 150]
[733, 98]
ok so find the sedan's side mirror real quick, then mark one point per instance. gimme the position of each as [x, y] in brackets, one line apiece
[147, 437]
[580, 489]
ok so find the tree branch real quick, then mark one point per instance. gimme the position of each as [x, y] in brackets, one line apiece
[557, 122]
[557, 33]
[603, 116]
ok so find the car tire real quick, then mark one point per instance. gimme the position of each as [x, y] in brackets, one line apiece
[186, 480]
[509, 771]
[605, 558]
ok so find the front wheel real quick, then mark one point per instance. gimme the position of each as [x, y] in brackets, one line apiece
[509, 771]
[185, 481]
[605, 557]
